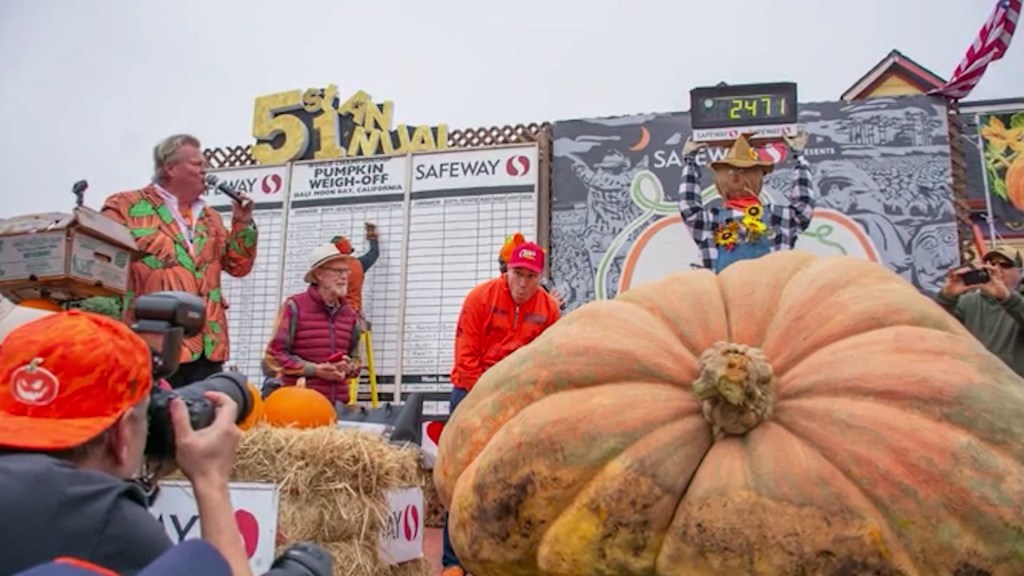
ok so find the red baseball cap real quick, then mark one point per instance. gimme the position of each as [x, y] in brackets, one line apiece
[67, 377]
[528, 255]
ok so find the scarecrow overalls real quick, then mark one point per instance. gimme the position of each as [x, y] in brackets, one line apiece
[744, 248]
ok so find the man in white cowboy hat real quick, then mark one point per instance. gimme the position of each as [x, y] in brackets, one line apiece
[317, 332]
[744, 227]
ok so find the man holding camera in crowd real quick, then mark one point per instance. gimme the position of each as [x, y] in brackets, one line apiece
[989, 303]
[186, 247]
[74, 418]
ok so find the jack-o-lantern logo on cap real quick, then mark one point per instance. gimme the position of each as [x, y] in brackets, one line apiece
[34, 385]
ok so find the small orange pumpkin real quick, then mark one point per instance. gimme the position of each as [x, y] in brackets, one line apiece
[41, 304]
[256, 415]
[299, 407]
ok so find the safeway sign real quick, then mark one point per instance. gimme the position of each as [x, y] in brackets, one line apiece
[255, 505]
[401, 537]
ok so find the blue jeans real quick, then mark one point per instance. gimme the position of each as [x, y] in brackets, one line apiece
[448, 557]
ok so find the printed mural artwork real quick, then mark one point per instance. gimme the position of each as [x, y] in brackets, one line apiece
[881, 169]
[995, 163]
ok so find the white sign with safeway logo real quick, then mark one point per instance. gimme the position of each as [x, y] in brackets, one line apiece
[487, 168]
[255, 505]
[401, 537]
[264, 184]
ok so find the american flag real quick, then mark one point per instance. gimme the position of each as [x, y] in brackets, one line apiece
[992, 42]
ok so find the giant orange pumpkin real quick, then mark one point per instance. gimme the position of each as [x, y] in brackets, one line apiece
[792, 415]
[298, 407]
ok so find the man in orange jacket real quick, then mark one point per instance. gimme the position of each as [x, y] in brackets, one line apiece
[358, 266]
[498, 317]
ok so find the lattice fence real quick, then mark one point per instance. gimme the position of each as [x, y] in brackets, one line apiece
[235, 156]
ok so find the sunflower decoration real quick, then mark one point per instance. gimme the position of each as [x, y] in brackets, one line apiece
[726, 236]
[753, 223]
[755, 229]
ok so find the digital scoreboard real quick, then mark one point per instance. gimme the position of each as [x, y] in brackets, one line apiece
[721, 113]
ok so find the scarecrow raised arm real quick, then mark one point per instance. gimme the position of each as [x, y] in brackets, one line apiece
[743, 228]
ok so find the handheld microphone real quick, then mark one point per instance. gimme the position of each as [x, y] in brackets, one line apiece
[212, 181]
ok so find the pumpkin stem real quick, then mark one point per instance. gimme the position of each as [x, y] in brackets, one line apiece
[735, 388]
[301, 383]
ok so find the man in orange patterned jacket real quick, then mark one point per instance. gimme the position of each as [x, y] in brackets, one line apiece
[186, 247]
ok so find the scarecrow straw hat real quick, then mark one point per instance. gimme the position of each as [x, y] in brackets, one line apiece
[741, 155]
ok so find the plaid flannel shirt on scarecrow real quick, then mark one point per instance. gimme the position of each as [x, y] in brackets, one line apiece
[784, 222]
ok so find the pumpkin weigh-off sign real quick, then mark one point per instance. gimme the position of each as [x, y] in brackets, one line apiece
[795, 414]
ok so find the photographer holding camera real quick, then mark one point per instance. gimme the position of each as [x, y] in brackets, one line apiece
[76, 425]
[989, 303]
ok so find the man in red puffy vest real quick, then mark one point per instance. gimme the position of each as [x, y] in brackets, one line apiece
[317, 333]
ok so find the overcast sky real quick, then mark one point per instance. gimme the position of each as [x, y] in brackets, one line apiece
[87, 87]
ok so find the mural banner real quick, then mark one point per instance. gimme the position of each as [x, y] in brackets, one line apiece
[994, 144]
[881, 168]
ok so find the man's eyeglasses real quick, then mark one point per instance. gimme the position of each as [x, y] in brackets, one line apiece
[1001, 264]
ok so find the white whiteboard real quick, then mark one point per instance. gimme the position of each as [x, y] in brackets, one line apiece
[442, 218]
[334, 199]
[462, 205]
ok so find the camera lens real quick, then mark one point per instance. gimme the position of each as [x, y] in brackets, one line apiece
[233, 384]
[201, 411]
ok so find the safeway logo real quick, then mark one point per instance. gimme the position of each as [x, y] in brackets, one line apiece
[774, 153]
[249, 528]
[271, 184]
[517, 166]
[411, 522]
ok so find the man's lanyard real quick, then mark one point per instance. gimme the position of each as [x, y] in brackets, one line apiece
[188, 231]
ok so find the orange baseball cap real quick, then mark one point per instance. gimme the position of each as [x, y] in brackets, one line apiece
[67, 377]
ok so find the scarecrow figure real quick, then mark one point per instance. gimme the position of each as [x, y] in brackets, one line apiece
[743, 227]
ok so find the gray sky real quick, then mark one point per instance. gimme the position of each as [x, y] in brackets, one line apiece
[88, 87]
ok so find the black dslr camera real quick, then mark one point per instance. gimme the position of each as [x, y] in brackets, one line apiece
[164, 320]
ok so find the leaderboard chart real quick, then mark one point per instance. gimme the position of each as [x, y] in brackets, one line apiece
[441, 218]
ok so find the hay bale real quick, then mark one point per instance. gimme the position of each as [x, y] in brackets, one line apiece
[332, 482]
[332, 485]
[320, 459]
